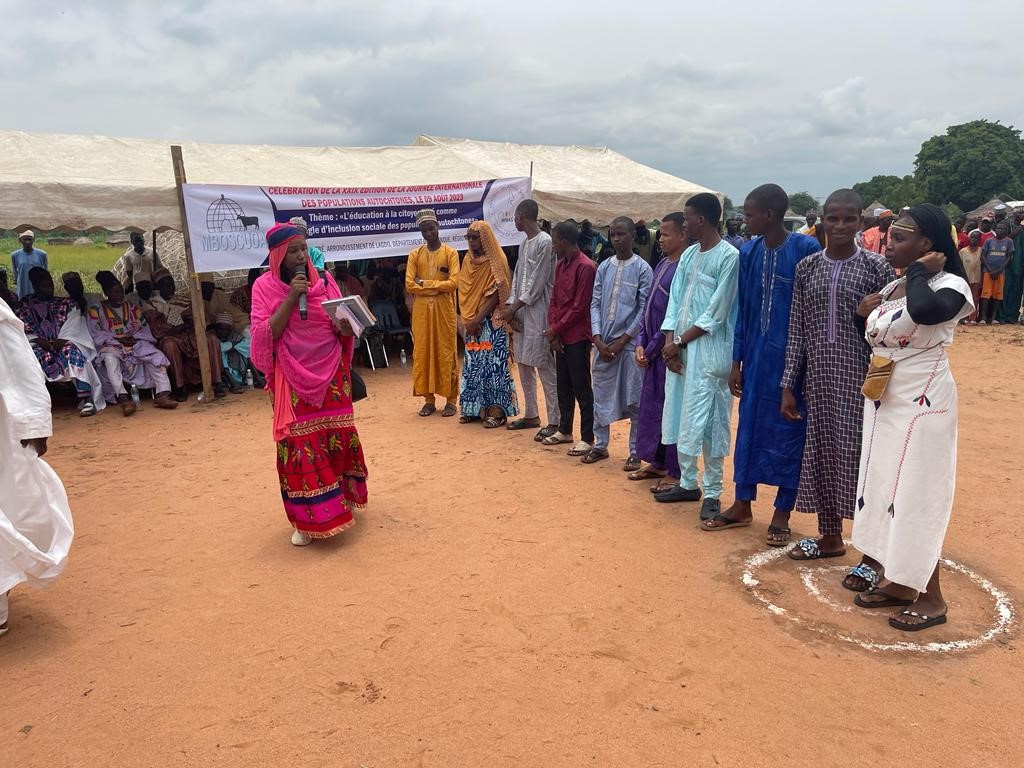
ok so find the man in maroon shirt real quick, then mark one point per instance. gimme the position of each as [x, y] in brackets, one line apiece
[568, 333]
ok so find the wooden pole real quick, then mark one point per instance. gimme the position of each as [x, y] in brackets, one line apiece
[194, 292]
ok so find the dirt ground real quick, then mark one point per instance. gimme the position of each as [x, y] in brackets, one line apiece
[497, 604]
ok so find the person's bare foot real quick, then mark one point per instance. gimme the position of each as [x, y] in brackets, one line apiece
[739, 512]
[925, 610]
[814, 549]
[778, 534]
[857, 580]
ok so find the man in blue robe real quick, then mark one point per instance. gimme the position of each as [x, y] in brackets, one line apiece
[621, 287]
[769, 448]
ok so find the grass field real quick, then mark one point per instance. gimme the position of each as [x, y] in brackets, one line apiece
[84, 259]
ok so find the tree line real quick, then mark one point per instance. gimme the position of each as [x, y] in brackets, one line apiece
[959, 170]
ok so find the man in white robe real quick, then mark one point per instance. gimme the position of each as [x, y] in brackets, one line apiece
[35, 521]
[527, 312]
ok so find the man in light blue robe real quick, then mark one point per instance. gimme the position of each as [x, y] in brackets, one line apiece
[621, 288]
[699, 325]
[769, 447]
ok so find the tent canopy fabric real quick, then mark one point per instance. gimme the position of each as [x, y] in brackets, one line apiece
[592, 183]
[59, 181]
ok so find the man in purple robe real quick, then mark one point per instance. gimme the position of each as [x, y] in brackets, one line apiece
[662, 460]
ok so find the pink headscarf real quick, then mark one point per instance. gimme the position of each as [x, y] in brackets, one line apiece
[305, 358]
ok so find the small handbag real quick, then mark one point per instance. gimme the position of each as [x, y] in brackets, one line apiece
[358, 386]
[877, 379]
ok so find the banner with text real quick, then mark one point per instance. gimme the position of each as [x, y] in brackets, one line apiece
[227, 224]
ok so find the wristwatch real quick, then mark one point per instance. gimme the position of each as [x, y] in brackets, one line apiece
[678, 340]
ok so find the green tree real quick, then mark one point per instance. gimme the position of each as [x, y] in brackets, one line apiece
[727, 203]
[970, 163]
[802, 202]
[892, 191]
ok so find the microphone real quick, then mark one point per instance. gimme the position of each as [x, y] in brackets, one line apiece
[302, 297]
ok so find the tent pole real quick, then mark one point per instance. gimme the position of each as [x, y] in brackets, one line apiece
[196, 296]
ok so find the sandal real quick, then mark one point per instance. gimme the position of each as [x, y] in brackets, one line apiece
[545, 432]
[557, 438]
[886, 601]
[449, 410]
[632, 464]
[663, 486]
[593, 456]
[523, 424]
[427, 409]
[777, 536]
[808, 549]
[926, 621]
[721, 522]
[646, 473]
[493, 422]
[468, 419]
[866, 574]
[580, 449]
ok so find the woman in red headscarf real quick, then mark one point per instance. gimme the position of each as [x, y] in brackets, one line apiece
[307, 363]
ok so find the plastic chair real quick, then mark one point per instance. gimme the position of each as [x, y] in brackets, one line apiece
[372, 337]
[388, 324]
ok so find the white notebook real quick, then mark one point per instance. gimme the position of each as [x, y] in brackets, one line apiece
[351, 308]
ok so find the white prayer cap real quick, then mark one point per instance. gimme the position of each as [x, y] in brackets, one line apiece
[27, 233]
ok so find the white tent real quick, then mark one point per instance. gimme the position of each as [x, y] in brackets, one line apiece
[49, 181]
[592, 183]
[53, 181]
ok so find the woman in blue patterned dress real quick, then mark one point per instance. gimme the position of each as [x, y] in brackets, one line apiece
[487, 391]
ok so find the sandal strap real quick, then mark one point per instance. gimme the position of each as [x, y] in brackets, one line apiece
[809, 547]
[915, 614]
[866, 572]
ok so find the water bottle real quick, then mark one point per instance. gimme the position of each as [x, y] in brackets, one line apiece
[135, 394]
[403, 358]
[248, 379]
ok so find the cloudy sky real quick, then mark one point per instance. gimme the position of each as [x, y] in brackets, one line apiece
[812, 98]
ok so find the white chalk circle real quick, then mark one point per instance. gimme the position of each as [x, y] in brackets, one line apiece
[1001, 622]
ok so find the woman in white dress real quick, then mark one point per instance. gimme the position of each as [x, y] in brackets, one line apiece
[35, 521]
[908, 459]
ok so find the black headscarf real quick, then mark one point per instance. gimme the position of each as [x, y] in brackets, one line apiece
[934, 224]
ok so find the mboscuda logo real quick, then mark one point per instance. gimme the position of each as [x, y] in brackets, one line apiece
[228, 228]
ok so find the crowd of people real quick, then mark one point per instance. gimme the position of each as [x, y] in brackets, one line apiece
[139, 333]
[836, 353]
[847, 406]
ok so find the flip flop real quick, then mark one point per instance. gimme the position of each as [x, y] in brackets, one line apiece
[725, 522]
[646, 473]
[887, 601]
[523, 424]
[776, 530]
[809, 550]
[659, 487]
[927, 621]
[449, 410]
[427, 409]
[594, 455]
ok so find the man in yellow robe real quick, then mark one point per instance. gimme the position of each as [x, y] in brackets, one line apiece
[431, 277]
